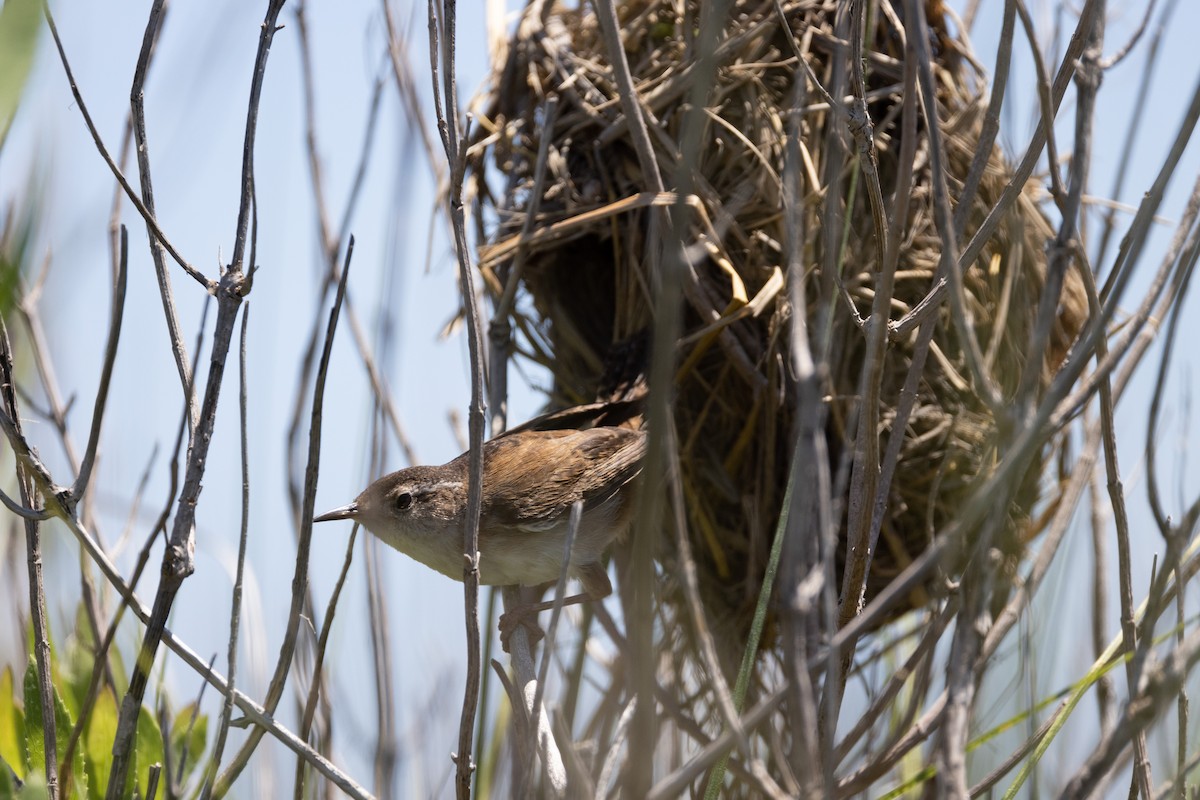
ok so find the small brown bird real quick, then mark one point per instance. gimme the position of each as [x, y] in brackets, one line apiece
[531, 478]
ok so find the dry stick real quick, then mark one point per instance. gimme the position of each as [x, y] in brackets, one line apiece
[1182, 705]
[235, 610]
[1170, 532]
[23, 511]
[540, 727]
[832, 218]
[314, 687]
[37, 590]
[961, 678]
[1152, 489]
[1135, 642]
[152, 223]
[152, 781]
[1159, 685]
[1137, 115]
[675, 783]
[178, 559]
[883, 701]
[1105, 689]
[187, 735]
[138, 116]
[991, 120]
[448, 126]
[377, 616]
[912, 574]
[442, 53]
[500, 338]
[378, 384]
[864, 474]
[329, 245]
[1127, 257]
[1088, 79]
[870, 481]
[1117, 57]
[1012, 189]
[951, 266]
[1044, 100]
[402, 72]
[303, 545]
[116, 315]
[381, 647]
[809, 530]
[57, 414]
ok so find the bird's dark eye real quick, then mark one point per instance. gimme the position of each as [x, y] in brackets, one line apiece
[403, 501]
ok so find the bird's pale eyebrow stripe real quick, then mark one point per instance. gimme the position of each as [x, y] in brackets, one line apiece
[433, 487]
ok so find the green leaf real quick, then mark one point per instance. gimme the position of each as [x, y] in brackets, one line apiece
[148, 749]
[62, 733]
[8, 782]
[12, 727]
[20, 21]
[195, 742]
[34, 744]
[98, 741]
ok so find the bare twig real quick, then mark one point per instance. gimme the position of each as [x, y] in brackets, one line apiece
[443, 14]
[110, 358]
[235, 610]
[310, 704]
[151, 222]
[37, 589]
[300, 574]
[166, 294]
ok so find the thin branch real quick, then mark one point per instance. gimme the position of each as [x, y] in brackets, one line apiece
[110, 358]
[303, 546]
[21, 511]
[442, 58]
[166, 294]
[314, 687]
[235, 610]
[151, 222]
[37, 588]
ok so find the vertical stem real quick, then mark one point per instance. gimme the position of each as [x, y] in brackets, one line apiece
[37, 590]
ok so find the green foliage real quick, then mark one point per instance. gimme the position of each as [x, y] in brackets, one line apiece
[20, 21]
[62, 733]
[12, 727]
[8, 783]
[148, 749]
[188, 745]
[22, 747]
[98, 739]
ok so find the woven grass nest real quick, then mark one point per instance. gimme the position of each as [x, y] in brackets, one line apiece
[584, 284]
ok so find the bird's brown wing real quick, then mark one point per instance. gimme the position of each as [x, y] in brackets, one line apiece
[564, 466]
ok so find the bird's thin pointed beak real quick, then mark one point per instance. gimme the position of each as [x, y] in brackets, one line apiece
[345, 512]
